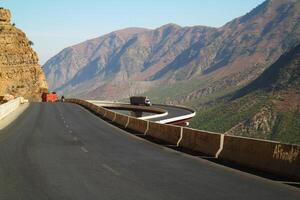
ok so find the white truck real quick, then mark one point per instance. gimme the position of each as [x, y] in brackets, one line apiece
[140, 101]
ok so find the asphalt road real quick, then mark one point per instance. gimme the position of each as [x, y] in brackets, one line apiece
[61, 151]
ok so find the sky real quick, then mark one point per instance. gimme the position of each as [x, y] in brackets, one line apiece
[56, 24]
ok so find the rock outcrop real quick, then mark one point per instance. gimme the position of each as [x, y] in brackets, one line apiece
[20, 72]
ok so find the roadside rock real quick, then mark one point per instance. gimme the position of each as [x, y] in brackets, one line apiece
[20, 72]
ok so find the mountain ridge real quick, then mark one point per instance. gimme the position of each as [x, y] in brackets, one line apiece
[229, 56]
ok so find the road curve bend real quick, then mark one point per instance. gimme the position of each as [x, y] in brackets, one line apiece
[170, 114]
[175, 114]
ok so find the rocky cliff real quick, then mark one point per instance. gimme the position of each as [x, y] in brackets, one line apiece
[20, 72]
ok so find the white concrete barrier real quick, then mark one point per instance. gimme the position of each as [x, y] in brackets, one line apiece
[10, 106]
[178, 118]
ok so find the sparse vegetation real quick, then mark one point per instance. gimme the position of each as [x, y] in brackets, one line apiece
[221, 117]
[31, 43]
[267, 108]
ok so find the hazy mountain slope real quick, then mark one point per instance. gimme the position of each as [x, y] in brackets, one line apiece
[134, 61]
[268, 107]
[124, 61]
[63, 67]
[236, 54]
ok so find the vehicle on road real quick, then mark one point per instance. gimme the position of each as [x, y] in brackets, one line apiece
[140, 101]
[49, 97]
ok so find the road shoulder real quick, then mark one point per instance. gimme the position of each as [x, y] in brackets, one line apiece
[13, 116]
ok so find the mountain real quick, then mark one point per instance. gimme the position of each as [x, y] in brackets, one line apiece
[86, 58]
[268, 107]
[109, 65]
[242, 50]
[206, 60]
[20, 73]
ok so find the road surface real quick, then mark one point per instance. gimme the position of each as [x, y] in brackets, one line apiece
[61, 151]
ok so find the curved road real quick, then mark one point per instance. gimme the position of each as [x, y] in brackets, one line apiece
[61, 151]
[172, 112]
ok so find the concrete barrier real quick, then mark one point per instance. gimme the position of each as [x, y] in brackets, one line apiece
[177, 119]
[166, 133]
[86, 104]
[121, 120]
[100, 111]
[272, 157]
[268, 156]
[92, 106]
[137, 125]
[10, 106]
[110, 115]
[200, 141]
[123, 106]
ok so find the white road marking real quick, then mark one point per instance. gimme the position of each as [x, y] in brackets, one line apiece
[221, 146]
[181, 135]
[84, 149]
[127, 122]
[145, 133]
[115, 117]
[110, 169]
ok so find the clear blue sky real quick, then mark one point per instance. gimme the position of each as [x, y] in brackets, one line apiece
[55, 24]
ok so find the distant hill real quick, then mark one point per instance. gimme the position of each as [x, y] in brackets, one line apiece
[177, 64]
[268, 107]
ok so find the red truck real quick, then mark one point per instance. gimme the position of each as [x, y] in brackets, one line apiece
[49, 97]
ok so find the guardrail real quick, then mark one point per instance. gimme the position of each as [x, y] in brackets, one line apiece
[132, 107]
[269, 156]
[10, 106]
[158, 112]
[178, 118]
[124, 106]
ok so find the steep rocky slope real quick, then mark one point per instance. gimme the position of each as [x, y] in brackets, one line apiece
[241, 50]
[110, 65]
[268, 107]
[84, 61]
[207, 60]
[20, 73]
